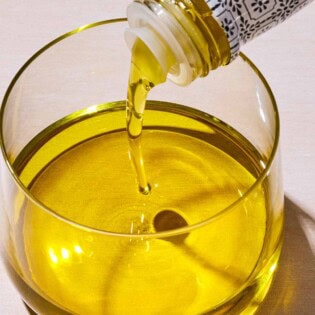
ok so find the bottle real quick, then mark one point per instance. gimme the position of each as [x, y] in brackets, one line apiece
[202, 35]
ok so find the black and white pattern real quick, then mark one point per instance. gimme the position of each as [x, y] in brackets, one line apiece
[243, 20]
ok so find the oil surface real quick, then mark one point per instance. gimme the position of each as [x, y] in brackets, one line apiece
[196, 167]
[189, 167]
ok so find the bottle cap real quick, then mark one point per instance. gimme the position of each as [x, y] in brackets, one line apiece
[163, 35]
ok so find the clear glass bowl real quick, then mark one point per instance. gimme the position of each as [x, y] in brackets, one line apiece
[65, 257]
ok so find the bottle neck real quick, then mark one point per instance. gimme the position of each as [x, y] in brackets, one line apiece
[203, 29]
[202, 35]
[217, 43]
[184, 28]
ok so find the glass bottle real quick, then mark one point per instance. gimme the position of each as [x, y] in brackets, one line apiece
[202, 35]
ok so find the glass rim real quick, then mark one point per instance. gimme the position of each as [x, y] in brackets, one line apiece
[163, 234]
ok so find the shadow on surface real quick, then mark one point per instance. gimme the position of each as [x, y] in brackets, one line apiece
[293, 288]
[31, 312]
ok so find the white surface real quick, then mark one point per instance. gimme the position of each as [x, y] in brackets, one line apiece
[285, 55]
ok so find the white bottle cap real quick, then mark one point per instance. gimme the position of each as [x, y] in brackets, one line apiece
[163, 35]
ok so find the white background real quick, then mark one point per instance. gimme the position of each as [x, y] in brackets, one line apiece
[285, 55]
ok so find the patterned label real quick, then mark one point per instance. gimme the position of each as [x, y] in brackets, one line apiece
[243, 20]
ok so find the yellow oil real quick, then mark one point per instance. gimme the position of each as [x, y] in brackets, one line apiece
[187, 164]
[145, 73]
[196, 167]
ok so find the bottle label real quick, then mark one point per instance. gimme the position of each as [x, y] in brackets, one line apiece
[243, 20]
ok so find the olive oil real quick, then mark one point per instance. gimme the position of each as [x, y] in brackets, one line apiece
[196, 167]
[145, 73]
[107, 242]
